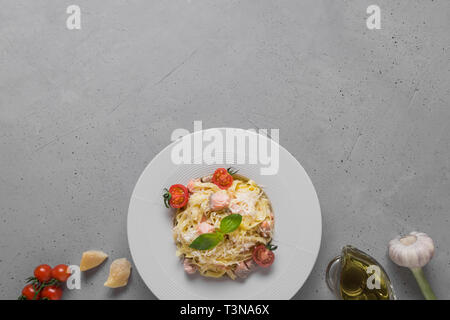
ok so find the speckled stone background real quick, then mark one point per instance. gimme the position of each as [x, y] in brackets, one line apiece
[82, 112]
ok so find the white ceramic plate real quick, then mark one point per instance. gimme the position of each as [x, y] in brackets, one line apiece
[298, 230]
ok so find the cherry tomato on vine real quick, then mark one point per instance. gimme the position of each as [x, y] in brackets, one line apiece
[29, 292]
[61, 272]
[43, 273]
[51, 293]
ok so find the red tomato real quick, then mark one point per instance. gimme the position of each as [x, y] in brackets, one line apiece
[51, 293]
[178, 201]
[43, 272]
[178, 189]
[61, 272]
[177, 196]
[29, 292]
[222, 178]
[263, 256]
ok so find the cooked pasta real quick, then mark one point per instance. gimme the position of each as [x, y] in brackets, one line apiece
[245, 198]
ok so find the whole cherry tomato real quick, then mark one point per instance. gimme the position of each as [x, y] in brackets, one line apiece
[51, 293]
[29, 292]
[43, 273]
[61, 272]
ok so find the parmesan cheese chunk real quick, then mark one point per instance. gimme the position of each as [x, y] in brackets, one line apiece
[118, 273]
[91, 259]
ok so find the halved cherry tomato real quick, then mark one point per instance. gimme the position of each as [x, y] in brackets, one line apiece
[61, 272]
[43, 272]
[177, 196]
[29, 292]
[178, 189]
[263, 256]
[178, 201]
[222, 178]
[51, 293]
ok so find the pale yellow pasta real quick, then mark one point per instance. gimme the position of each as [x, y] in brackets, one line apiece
[254, 206]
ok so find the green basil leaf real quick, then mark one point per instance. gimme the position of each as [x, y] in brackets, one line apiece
[230, 223]
[206, 241]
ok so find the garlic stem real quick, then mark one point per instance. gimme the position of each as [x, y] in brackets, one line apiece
[423, 283]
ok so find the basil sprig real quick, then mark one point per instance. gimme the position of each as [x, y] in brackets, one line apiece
[208, 241]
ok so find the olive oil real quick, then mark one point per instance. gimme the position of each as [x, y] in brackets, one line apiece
[356, 268]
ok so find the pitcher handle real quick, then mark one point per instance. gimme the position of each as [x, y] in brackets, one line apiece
[330, 275]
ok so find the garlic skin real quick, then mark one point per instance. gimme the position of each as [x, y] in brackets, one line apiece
[413, 251]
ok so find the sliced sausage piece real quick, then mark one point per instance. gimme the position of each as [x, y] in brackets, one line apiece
[244, 268]
[204, 227]
[207, 178]
[191, 185]
[265, 228]
[219, 200]
[250, 264]
[189, 267]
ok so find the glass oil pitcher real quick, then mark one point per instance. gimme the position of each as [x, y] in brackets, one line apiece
[354, 275]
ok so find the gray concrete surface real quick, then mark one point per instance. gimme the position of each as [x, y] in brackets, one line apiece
[82, 112]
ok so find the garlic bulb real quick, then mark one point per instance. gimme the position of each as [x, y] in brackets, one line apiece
[413, 251]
